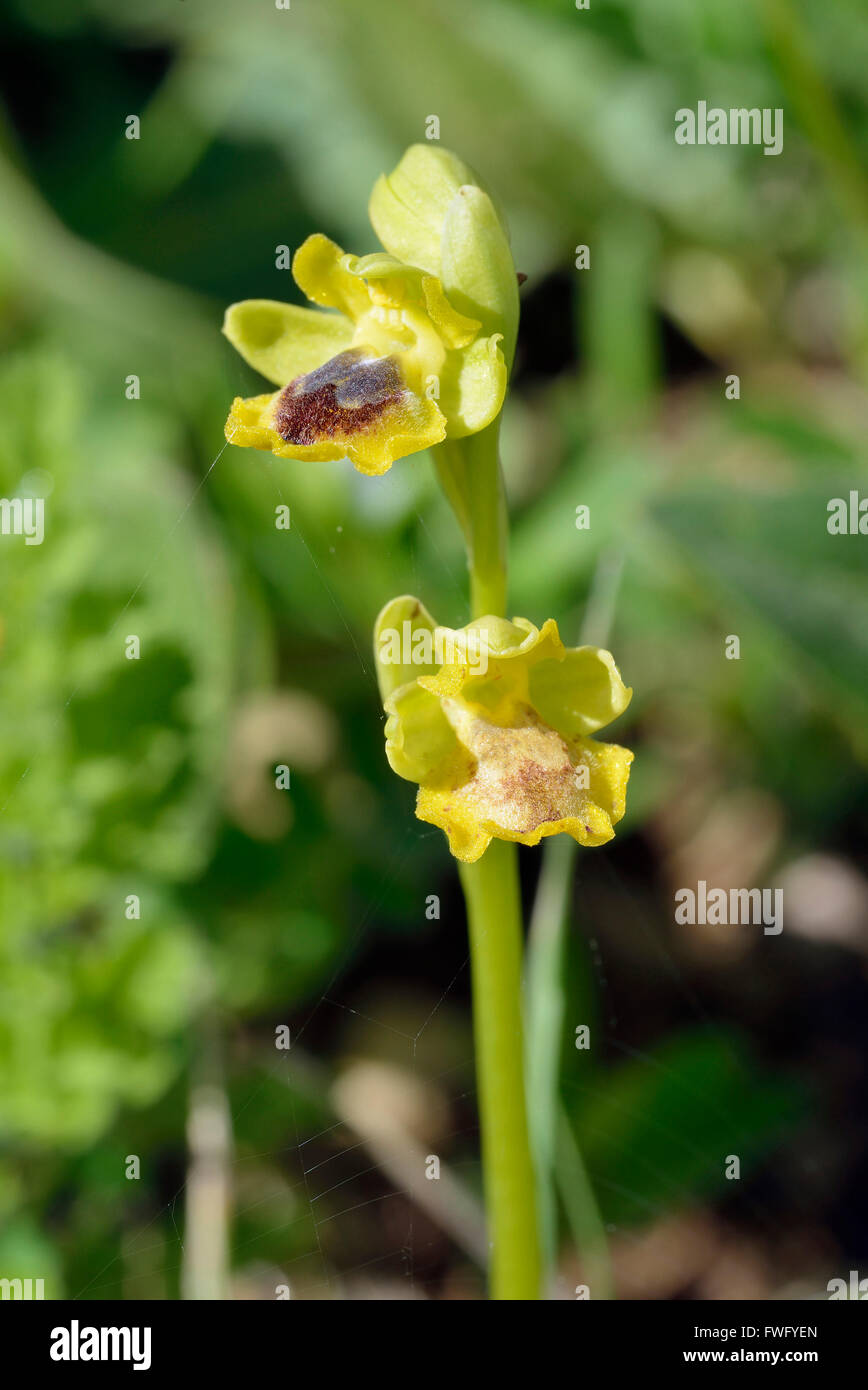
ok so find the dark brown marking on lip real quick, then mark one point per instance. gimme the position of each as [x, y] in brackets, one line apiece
[342, 397]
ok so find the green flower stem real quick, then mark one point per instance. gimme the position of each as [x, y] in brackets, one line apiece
[491, 892]
[470, 473]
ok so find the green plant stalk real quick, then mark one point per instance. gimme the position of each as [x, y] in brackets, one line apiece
[471, 476]
[491, 891]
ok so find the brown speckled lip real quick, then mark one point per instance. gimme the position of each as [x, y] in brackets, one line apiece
[343, 397]
[540, 789]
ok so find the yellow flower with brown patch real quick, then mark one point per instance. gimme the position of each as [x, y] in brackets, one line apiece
[385, 367]
[492, 721]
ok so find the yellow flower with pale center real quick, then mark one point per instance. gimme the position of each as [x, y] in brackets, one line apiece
[492, 720]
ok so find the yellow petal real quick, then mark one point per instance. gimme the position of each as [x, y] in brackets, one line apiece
[455, 329]
[513, 647]
[319, 270]
[283, 341]
[396, 651]
[387, 281]
[580, 693]
[472, 391]
[420, 741]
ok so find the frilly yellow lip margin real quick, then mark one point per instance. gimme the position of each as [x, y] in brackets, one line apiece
[496, 732]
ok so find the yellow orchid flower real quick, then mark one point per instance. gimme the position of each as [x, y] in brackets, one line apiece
[492, 721]
[405, 349]
[395, 370]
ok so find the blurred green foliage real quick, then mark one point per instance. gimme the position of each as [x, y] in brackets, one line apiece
[155, 778]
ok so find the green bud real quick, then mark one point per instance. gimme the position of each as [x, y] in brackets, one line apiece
[477, 269]
[408, 207]
[432, 212]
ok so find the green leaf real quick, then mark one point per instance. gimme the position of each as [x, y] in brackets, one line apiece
[770, 553]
